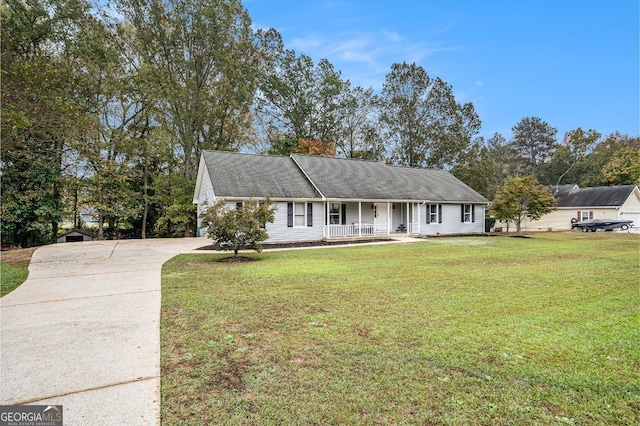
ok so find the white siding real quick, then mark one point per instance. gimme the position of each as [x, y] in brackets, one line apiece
[279, 231]
[206, 198]
[631, 209]
[451, 223]
[560, 219]
[352, 213]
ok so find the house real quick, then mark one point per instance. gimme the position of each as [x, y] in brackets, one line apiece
[326, 198]
[76, 235]
[603, 202]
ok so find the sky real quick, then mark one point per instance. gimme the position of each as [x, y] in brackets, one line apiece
[572, 63]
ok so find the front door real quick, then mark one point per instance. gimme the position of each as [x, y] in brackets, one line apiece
[380, 218]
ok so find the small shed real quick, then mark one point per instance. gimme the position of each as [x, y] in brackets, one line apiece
[77, 235]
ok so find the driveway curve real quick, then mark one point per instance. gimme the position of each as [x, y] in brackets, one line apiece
[83, 331]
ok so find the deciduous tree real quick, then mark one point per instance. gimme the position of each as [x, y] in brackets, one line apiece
[476, 168]
[521, 198]
[624, 167]
[424, 124]
[299, 100]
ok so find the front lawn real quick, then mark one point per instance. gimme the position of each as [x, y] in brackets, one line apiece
[485, 330]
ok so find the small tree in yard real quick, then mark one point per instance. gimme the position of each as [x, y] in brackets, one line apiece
[522, 197]
[243, 227]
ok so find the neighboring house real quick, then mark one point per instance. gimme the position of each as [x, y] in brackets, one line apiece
[76, 235]
[603, 202]
[323, 198]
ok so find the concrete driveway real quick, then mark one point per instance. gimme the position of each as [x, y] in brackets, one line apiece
[83, 331]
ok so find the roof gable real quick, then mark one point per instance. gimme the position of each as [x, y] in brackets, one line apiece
[240, 175]
[601, 196]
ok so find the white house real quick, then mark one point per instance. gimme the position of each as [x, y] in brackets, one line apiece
[602, 202]
[325, 198]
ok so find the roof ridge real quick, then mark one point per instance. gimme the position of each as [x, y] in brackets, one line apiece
[364, 160]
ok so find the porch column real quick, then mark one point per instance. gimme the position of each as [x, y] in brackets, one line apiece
[389, 218]
[408, 221]
[326, 218]
[419, 219]
[360, 218]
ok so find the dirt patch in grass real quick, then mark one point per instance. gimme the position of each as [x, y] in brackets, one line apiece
[299, 244]
[17, 257]
[238, 259]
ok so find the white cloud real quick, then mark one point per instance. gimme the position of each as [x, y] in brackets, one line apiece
[393, 36]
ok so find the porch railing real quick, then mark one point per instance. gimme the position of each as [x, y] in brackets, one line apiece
[352, 230]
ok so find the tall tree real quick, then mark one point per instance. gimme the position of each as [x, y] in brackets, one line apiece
[46, 48]
[592, 165]
[359, 133]
[624, 167]
[201, 57]
[576, 145]
[424, 124]
[299, 100]
[504, 159]
[477, 169]
[534, 141]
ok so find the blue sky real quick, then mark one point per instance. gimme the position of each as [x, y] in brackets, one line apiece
[573, 63]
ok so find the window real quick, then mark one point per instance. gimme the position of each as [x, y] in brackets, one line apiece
[585, 215]
[434, 213]
[334, 214]
[298, 219]
[239, 205]
[467, 213]
[299, 214]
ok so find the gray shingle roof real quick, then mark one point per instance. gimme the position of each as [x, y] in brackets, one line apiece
[601, 196]
[359, 179]
[248, 175]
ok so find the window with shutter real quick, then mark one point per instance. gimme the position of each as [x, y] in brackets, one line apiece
[467, 213]
[433, 213]
[289, 215]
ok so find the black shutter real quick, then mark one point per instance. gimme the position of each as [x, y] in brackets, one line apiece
[428, 214]
[473, 213]
[439, 213]
[309, 214]
[462, 213]
[344, 214]
[290, 215]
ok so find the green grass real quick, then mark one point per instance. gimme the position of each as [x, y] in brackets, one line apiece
[447, 331]
[14, 269]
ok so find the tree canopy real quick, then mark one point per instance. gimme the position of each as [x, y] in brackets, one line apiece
[106, 108]
[522, 198]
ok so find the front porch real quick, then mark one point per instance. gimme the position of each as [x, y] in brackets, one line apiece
[370, 219]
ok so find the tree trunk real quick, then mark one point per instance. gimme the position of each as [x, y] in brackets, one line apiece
[145, 212]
